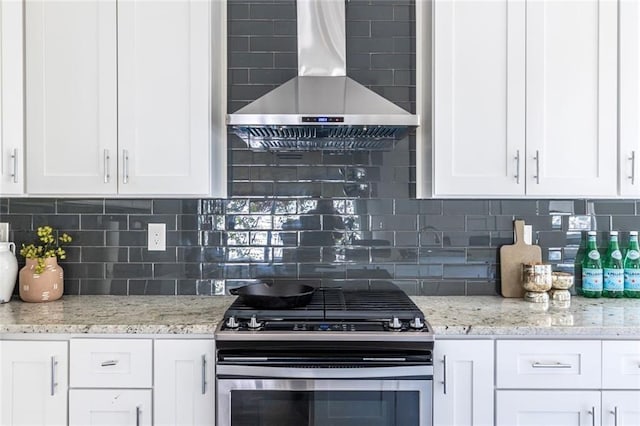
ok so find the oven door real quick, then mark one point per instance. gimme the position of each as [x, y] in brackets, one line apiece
[277, 396]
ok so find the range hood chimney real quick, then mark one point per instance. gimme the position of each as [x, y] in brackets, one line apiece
[321, 108]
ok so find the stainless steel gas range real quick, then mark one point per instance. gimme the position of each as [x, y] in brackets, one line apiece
[349, 357]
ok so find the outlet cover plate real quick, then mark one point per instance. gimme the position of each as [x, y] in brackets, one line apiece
[157, 237]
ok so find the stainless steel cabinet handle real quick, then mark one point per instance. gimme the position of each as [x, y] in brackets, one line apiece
[109, 363]
[517, 158]
[615, 416]
[125, 166]
[537, 158]
[138, 415]
[556, 365]
[444, 374]
[105, 161]
[633, 167]
[204, 374]
[593, 415]
[14, 165]
[54, 364]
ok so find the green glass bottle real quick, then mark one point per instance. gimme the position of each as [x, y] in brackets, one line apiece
[613, 270]
[632, 267]
[592, 269]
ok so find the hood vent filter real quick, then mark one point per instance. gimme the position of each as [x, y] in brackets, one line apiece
[333, 138]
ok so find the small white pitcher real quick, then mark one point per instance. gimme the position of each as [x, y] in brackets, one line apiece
[8, 270]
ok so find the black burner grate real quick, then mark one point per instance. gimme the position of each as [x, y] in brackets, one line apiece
[335, 303]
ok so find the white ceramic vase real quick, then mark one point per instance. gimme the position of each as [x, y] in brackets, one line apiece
[8, 270]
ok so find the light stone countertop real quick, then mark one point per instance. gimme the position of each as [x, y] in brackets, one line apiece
[450, 316]
[115, 314]
[492, 315]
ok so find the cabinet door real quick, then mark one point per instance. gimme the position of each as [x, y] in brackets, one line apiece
[33, 389]
[544, 408]
[620, 364]
[620, 408]
[163, 97]
[478, 97]
[114, 407]
[71, 96]
[572, 97]
[184, 382]
[629, 97]
[11, 95]
[463, 383]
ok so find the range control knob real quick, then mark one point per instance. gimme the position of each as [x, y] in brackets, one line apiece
[395, 324]
[232, 323]
[416, 324]
[253, 323]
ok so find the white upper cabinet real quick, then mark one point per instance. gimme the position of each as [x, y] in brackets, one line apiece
[525, 98]
[163, 96]
[11, 98]
[119, 97]
[572, 97]
[629, 97]
[478, 97]
[71, 97]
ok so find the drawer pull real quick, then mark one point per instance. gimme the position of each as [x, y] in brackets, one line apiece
[593, 415]
[556, 365]
[138, 415]
[615, 416]
[109, 363]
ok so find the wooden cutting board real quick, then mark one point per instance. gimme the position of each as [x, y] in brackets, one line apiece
[512, 256]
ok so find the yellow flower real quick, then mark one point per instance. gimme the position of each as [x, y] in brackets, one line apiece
[49, 247]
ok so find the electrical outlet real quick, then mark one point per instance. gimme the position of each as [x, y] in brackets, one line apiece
[4, 231]
[528, 234]
[157, 237]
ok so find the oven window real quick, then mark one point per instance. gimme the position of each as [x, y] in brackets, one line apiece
[324, 408]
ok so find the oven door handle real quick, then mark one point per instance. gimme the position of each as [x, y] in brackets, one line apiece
[325, 373]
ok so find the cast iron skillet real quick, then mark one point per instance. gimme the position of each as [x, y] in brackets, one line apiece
[281, 295]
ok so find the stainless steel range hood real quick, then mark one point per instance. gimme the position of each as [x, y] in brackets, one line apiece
[321, 108]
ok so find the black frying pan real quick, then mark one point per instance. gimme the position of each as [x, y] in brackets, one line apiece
[282, 295]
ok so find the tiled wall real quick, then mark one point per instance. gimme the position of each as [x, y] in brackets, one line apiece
[367, 227]
[425, 246]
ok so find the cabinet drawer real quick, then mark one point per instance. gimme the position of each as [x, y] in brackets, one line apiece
[548, 364]
[110, 363]
[621, 365]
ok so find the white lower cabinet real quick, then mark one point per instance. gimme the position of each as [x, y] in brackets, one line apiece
[184, 382]
[620, 408]
[576, 382]
[463, 382]
[546, 408]
[114, 407]
[110, 382]
[33, 384]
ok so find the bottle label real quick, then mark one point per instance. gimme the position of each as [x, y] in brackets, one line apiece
[617, 254]
[633, 254]
[632, 279]
[594, 255]
[613, 279]
[592, 279]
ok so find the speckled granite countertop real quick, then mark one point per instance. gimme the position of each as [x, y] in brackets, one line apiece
[115, 314]
[492, 315]
[449, 316]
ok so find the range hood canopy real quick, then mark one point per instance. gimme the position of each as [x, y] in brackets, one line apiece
[321, 108]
